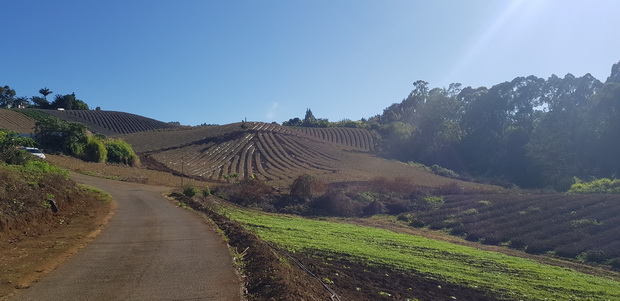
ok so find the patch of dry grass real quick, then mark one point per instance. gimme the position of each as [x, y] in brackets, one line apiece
[124, 173]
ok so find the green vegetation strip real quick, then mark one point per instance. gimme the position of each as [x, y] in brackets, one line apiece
[512, 277]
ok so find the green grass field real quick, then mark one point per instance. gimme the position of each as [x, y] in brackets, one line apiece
[511, 277]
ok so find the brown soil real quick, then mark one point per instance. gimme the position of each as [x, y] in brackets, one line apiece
[28, 256]
[15, 121]
[354, 281]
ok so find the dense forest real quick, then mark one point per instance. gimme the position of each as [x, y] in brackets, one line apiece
[532, 132]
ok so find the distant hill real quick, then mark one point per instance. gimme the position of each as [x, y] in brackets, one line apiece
[111, 123]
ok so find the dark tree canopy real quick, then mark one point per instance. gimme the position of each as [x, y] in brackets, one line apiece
[529, 131]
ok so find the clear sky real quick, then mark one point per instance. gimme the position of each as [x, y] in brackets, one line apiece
[220, 61]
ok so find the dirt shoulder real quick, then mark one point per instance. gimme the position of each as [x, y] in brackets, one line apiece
[28, 257]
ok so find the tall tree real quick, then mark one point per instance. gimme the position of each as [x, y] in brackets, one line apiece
[42, 102]
[45, 92]
[6, 96]
[68, 102]
[20, 102]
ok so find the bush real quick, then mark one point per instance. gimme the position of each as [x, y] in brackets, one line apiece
[374, 208]
[302, 187]
[15, 157]
[120, 152]
[444, 172]
[95, 151]
[248, 192]
[336, 204]
[206, 192]
[56, 135]
[615, 263]
[189, 191]
[604, 185]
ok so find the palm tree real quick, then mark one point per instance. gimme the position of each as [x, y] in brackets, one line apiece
[45, 92]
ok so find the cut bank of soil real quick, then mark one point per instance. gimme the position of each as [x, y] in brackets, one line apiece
[29, 256]
[268, 275]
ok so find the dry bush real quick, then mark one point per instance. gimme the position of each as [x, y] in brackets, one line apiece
[248, 192]
[374, 208]
[451, 188]
[336, 203]
[303, 187]
[400, 185]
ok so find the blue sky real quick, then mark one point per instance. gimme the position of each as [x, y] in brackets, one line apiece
[199, 61]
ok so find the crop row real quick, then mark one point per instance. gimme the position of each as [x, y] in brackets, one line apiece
[512, 278]
[111, 122]
[354, 137]
[267, 152]
[15, 121]
[566, 225]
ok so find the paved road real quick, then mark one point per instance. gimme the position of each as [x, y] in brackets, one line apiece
[151, 250]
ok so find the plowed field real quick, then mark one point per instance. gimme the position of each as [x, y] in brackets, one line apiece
[111, 123]
[268, 152]
[15, 121]
[354, 137]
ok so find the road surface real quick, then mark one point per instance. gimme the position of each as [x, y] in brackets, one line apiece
[151, 250]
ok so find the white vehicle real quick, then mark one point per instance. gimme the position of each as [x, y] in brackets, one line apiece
[34, 151]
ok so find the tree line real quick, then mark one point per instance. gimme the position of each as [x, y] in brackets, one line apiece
[8, 99]
[530, 131]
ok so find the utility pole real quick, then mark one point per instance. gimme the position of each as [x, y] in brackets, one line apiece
[182, 170]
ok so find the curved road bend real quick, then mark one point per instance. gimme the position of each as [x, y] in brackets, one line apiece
[151, 250]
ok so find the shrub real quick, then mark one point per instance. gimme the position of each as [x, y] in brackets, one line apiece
[15, 157]
[451, 188]
[302, 187]
[444, 172]
[400, 185]
[604, 185]
[10, 139]
[206, 192]
[336, 203]
[248, 192]
[615, 263]
[434, 201]
[95, 151]
[374, 208]
[57, 135]
[397, 206]
[189, 191]
[120, 152]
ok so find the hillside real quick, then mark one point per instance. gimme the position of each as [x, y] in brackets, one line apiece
[111, 123]
[15, 121]
[269, 152]
[354, 137]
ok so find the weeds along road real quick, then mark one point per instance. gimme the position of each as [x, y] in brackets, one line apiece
[151, 250]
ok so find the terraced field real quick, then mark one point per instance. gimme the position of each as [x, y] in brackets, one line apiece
[266, 151]
[111, 123]
[15, 121]
[354, 137]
